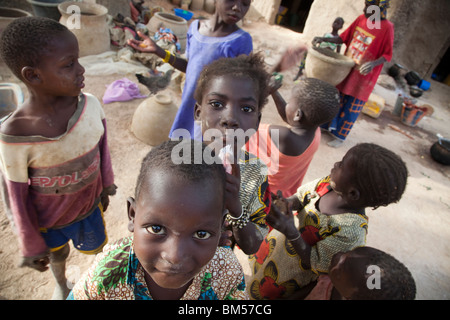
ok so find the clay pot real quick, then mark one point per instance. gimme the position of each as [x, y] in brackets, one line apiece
[176, 2]
[8, 15]
[197, 4]
[89, 25]
[327, 65]
[210, 6]
[115, 7]
[153, 119]
[46, 8]
[177, 24]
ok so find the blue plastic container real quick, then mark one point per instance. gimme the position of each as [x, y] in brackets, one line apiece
[187, 15]
[424, 85]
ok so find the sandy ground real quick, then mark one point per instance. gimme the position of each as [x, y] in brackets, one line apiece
[415, 231]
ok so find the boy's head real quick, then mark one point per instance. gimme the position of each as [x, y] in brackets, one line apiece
[370, 175]
[231, 12]
[312, 101]
[178, 212]
[43, 54]
[382, 4]
[338, 23]
[231, 93]
[367, 273]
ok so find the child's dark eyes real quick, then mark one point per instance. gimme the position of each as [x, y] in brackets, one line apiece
[70, 64]
[160, 230]
[156, 230]
[248, 109]
[202, 235]
[216, 104]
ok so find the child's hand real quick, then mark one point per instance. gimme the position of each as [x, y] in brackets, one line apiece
[275, 83]
[367, 68]
[37, 263]
[233, 184]
[146, 45]
[280, 216]
[291, 58]
[225, 237]
[317, 40]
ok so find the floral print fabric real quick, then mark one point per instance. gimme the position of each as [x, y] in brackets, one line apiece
[118, 275]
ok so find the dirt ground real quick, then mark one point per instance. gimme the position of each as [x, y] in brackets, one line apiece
[416, 230]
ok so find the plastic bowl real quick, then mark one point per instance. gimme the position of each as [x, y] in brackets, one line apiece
[183, 13]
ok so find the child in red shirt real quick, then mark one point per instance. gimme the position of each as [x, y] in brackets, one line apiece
[370, 44]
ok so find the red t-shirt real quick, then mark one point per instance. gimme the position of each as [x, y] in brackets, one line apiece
[363, 45]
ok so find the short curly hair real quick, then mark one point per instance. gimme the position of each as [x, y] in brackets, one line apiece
[161, 158]
[250, 66]
[380, 174]
[26, 39]
[318, 100]
[396, 281]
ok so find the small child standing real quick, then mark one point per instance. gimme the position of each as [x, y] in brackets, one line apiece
[337, 25]
[332, 219]
[231, 93]
[365, 273]
[207, 40]
[176, 219]
[54, 156]
[313, 102]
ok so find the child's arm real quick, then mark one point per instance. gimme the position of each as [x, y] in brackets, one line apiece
[290, 58]
[109, 188]
[280, 103]
[149, 46]
[319, 40]
[32, 246]
[249, 238]
[282, 219]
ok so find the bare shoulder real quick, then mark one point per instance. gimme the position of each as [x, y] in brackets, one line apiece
[19, 123]
[290, 142]
[12, 125]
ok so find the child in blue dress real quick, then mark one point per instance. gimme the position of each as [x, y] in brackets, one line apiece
[207, 40]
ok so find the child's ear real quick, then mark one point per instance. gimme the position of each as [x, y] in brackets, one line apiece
[353, 194]
[298, 115]
[131, 208]
[197, 111]
[30, 75]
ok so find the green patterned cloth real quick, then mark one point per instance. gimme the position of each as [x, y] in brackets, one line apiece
[117, 275]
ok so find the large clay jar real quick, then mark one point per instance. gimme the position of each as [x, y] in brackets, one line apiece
[327, 65]
[88, 22]
[153, 119]
[177, 24]
[197, 5]
[176, 2]
[210, 6]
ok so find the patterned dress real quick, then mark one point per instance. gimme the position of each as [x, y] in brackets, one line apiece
[276, 268]
[118, 275]
[254, 191]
